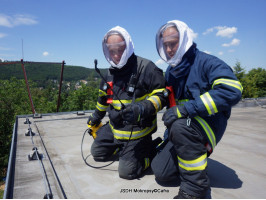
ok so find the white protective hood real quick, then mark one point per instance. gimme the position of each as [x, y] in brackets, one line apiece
[185, 42]
[129, 46]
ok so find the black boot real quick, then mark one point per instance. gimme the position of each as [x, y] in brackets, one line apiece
[184, 195]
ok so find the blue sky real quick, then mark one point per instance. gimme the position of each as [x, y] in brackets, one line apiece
[72, 30]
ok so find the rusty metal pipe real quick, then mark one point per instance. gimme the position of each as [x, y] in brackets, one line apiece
[28, 88]
[60, 86]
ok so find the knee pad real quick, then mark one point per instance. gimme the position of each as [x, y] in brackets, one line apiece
[99, 153]
[95, 150]
[129, 169]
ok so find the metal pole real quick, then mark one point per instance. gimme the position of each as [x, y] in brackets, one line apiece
[60, 86]
[28, 88]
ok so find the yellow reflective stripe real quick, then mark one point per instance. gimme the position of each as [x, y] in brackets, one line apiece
[156, 102]
[147, 163]
[207, 130]
[124, 135]
[181, 101]
[156, 91]
[142, 98]
[178, 113]
[209, 103]
[192, 165]
[102, 93]
[212, 102]
[117, 105]
[101, 107]
[232, 83]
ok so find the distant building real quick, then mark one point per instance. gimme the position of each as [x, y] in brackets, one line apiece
[83, 81]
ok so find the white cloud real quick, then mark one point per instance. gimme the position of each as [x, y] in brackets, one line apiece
[208, 31]
[220, 53]
[16, 20]
[234, 42]
[226, 31]
[208, 52]
[45, 53]
[2, 35]
[222, 31]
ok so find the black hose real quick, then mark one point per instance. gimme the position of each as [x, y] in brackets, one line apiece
[85, 159]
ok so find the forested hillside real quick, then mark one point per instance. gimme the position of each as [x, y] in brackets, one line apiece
[47, 71]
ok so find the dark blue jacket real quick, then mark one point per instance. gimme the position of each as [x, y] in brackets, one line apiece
[208, 88]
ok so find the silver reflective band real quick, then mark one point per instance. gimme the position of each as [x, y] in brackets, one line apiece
[209, 103]
[232, 83]
[207, 130]
[193, 164]
[156, 102]
[101, 107]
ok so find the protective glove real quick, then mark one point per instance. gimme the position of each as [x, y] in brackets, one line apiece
[115, 116]
[93, 120]
[132, 113]
[174, 113]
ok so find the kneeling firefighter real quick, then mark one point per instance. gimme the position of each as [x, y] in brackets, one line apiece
[132, 92]
[205, 89]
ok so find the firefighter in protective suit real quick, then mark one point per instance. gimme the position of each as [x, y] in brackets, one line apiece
[205, 89]
[137, 94]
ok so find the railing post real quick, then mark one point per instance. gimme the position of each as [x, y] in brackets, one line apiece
[60, 86]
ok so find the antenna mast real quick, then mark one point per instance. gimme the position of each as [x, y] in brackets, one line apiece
[22, 49]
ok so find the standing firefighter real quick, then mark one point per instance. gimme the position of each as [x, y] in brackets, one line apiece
[205, 89]
[132, 94]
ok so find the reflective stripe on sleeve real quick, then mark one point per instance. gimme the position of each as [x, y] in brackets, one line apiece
[208, 130]
[232, 83]
[117, 105]
[156, 91]
[192, 165]
[156, 102]
[101, 107]
[209, 103]
[181, 101]
[102, 93]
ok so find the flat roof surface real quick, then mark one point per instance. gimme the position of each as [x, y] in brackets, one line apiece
[236, 168]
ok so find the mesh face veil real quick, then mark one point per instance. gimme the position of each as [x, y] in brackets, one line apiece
[123, 49]
[185, 42]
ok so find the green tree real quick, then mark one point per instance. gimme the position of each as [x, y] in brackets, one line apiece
[255, 83]
[83, 98]
[239, 71]
[13, 101]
